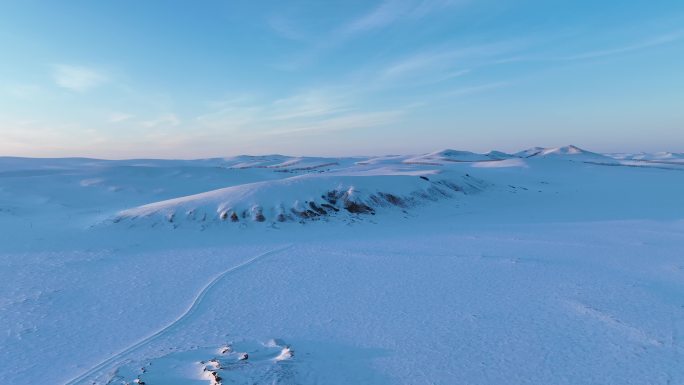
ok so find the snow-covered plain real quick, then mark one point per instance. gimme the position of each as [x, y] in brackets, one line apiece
[549, 266]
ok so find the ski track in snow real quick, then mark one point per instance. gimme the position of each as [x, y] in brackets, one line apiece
[194, 305]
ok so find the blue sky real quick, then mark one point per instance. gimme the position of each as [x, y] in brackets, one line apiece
[188, 79]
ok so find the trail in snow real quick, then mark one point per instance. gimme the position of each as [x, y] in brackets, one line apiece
[194, 305]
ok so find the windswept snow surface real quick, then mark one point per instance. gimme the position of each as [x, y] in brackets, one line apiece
[550, 266]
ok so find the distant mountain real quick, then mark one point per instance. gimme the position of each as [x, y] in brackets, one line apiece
[448, 155]
[568, 152]
[662, 157]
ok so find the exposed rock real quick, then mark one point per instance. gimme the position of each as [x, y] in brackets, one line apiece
[357, 208]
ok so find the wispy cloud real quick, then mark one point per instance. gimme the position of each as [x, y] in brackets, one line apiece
[447, 62]
[312, 103]
[637, 46]
[416, 63]
[422, 64]
[285, 28]
[391, 11]
[163, 120]
[343, 122]
[381, 16]
[117, 117]
[634, 46]
[24, 91]
[306, 112]
[469, 90]
[302, 105]
[78, 78]
[426, 7]
[37, 138]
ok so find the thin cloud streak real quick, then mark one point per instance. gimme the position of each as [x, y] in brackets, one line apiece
[340, 123]
[78, 78]
[392, 11]
[384, 15]
[381, 16]
[285, 28]
[644, 44]
[653, 42]
[117, 117]
[308, 112]
[163, 120]
[450, 60]
[469, 90]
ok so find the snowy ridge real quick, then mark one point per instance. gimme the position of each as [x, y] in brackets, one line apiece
[570, 152]
[308, 197]
[657, 157]
[280, 162]
[446, 156]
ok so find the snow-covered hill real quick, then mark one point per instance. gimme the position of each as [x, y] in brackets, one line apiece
[339, 194]
[657, 157]
[570, 152]
[445, 156]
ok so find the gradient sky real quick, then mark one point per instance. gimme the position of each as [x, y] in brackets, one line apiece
[190, 79]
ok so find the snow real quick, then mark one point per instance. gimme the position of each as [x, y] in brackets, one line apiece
[444, 156]
[570, 152]
[666, 158]
[563, 267]
[514, 162]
